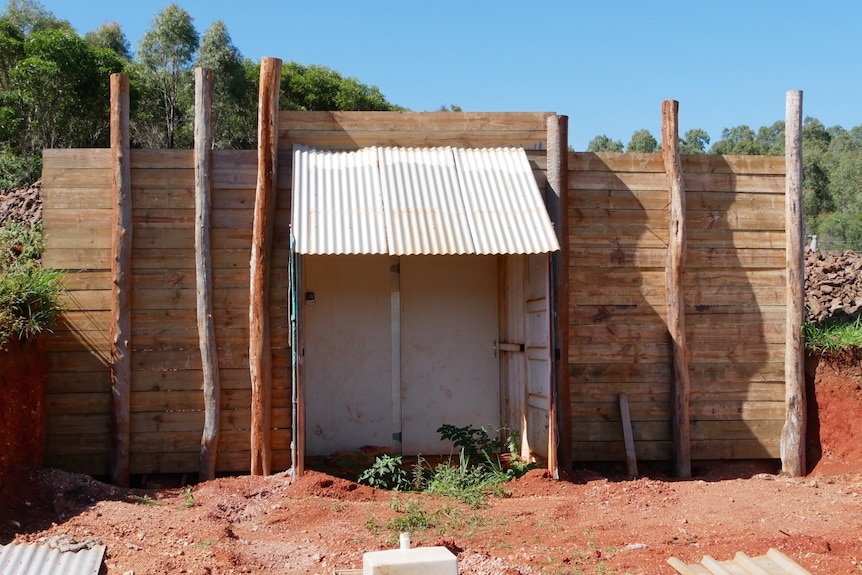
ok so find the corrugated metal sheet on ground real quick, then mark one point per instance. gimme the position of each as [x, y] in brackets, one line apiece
[42, 559]
[418, 201]
[773, 563]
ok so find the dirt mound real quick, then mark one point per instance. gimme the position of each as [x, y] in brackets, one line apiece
[22, 205]
[833, 285]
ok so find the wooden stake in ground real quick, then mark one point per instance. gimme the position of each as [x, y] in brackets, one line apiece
[259, 354]
[793, 433]
[121, 280]
[559, 416]
[674, 275]
[203, 275]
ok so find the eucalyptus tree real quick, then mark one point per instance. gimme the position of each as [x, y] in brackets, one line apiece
[603, 143]
[315, 87]
[110, 36]
[31, 16]
[164, 61]
[738, 140]
[234, 107]
[694, 142]
[643, 142]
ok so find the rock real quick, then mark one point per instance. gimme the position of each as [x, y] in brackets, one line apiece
[833, 286]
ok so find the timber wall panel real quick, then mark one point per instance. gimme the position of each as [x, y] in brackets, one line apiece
[166, 381]
[734, 304]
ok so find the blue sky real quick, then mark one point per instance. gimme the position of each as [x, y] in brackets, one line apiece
[607, 65]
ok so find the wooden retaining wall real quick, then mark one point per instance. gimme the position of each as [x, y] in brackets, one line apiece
[166, 397]
[618, 339]
[734, 294]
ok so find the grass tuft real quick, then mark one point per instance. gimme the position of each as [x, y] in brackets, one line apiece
[833, 337]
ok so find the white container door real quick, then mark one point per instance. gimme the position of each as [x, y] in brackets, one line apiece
[449, 369]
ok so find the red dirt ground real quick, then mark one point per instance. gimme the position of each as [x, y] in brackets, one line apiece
[589, 524]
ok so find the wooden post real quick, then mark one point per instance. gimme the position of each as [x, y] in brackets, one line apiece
[674, 273]
[628, 436]
[121, 280]
[259, 354]
[560, 433]
[203, 273]
[793, 434]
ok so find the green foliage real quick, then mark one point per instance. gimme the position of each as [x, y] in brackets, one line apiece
[477, 473]
[320, 88]
[188, 497]
[694, 142]
[385, 473]
[643, 142]
[833, 337]
[142, 500]
[738, 140]
[234, 106]
[17, 171]
[165, 58]
[110, 36]
[603, 143]
[474, 442]
[29, 293]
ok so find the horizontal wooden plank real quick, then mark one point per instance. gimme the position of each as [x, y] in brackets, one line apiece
[190, 441]
[691, 163]
[193, 421]
[56, 199]
[602, 431]
[635, 181]
[654, 408]
[355, 139]
[183, 238]
[658, 389]
[661, 451]
[185, 218]
[77, 258]
[76, 177]
[604, 222]
[352, 121]
[63, 158]
[762, 258]
[187, 462]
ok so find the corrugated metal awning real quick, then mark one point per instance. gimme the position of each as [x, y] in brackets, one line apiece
[418, 201]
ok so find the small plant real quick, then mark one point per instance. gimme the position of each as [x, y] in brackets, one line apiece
[372, 525]
[188, 498]
[29, 293]
[475, 442]
[143, 500]
[386, 473]
[412, 517]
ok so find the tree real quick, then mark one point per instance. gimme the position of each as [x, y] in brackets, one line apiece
[738, 140]
[320, 88]
[771, 139]
[30, 16]
[643, 142]
[603, 143]
[61, 91]
[234, 110]
[110, 36]
[694, 142]
[165, 56]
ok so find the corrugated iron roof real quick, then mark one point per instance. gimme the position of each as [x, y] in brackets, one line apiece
[418, 201]
[45, 559]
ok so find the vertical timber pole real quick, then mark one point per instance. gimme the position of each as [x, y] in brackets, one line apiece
[203, 272]
[560, 424]
[121, 280]
[793, 434]
[674, 273]
[259, 354]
